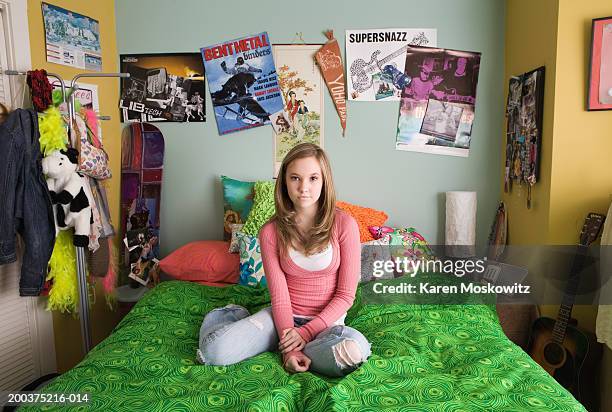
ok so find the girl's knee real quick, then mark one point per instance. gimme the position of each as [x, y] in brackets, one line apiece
[349, 354]
[214, 350]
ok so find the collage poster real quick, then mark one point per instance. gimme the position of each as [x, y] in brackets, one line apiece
[375, 61]
[243, 83]
[71, 38]
[301, 85]
[162, 87]
[437, 107]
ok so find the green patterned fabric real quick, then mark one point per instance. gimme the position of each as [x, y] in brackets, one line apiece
[424, 358]
[262, 210]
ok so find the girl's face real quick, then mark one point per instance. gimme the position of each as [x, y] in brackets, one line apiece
[304, 182]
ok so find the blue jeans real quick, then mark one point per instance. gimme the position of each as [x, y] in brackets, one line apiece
[230, 335]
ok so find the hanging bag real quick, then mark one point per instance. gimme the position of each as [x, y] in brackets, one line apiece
[93, 160]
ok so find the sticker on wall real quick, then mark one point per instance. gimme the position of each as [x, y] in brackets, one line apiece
[243, 82]
[71, 38]
[375, 61]
[301, 85]
[162, 87]
[437, 106]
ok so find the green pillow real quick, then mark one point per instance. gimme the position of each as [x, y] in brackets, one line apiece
[237, 203]
[262, 210]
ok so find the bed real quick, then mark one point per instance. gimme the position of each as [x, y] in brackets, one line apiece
[424, 358]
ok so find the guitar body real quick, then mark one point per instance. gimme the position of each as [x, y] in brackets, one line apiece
[572, 363]
[360, 78]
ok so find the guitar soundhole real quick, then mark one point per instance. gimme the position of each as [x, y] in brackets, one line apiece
[554, 353]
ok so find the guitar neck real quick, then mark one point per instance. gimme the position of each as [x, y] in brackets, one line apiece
[374, 66]
[567, 304]
[393, 55]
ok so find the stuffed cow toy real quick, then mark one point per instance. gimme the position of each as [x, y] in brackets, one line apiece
[70, 194]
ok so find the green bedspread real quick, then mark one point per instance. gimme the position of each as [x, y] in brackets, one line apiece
[424, 358]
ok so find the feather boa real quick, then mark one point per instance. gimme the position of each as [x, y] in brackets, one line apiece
[52, 131]
[63, 272]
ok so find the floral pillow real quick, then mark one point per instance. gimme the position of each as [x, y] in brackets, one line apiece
[404, 243]
[251, 265]
[237, 202]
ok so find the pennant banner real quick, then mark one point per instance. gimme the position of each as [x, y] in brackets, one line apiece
[329, 60]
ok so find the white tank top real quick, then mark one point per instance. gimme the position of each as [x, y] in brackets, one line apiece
[317, 261]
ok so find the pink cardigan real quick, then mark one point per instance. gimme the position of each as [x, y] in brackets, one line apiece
[325, 294]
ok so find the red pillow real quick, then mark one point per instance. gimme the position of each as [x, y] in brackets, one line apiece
[207, 262]
[365, 217]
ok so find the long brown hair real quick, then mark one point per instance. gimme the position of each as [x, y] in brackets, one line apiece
[286, 228]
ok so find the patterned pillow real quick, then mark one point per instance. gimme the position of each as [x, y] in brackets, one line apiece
[263, 208]
[237, 202]
[235, 227]
[365, 217]
[404, 243]
[374, 250]
[251, 265]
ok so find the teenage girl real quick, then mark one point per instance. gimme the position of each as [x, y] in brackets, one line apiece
[311, 255]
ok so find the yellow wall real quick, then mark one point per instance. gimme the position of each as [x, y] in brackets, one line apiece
[582, 174]
[67, 329]
[531, 42]
[575, 172]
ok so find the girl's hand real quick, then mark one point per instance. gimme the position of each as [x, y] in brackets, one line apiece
[297, 363]
[291, 340]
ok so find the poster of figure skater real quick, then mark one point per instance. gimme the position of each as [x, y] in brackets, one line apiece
[375, 60]
[437, 107]
[243, 83]
[301, 85]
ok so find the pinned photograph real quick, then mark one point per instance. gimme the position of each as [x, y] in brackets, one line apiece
[438, 106]
[442, 119]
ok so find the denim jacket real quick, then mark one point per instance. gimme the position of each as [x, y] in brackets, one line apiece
[25, 203]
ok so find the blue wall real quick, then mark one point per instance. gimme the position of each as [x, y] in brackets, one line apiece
[368, 170]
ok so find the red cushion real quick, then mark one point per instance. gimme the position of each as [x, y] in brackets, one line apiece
[205, 261]
[365, 217]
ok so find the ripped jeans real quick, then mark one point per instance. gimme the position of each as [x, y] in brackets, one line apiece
[230, 335]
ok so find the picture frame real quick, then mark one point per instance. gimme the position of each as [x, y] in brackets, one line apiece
[599, 96]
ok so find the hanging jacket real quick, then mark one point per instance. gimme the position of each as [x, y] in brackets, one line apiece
[25, 203]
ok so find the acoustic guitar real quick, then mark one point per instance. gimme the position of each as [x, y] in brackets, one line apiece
[567, 353]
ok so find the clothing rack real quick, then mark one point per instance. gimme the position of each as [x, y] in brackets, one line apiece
[80, 251]
[62, 83]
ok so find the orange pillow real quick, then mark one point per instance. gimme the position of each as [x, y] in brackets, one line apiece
[207, 262]
[365, 217]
